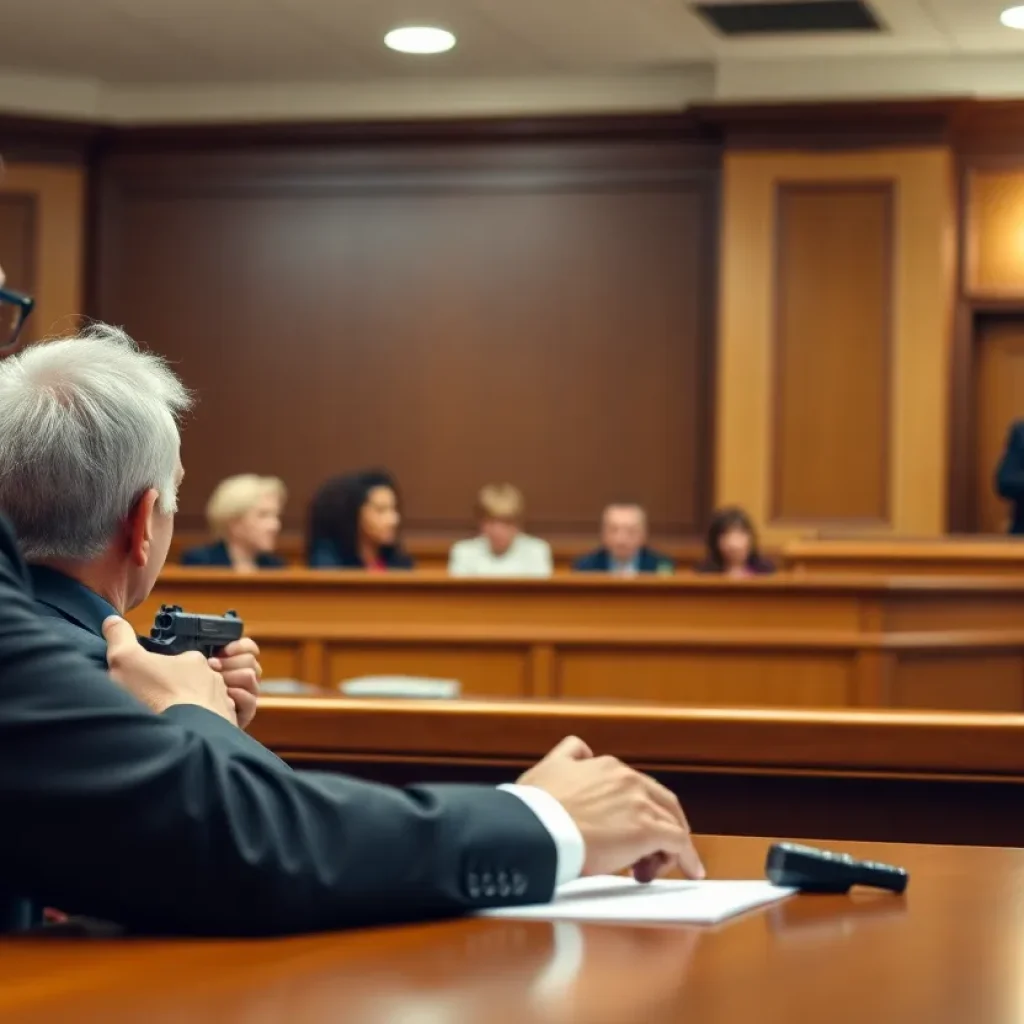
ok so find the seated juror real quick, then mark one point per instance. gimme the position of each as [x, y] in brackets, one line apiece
[624, 550]
[1010, 475]
[354, 523]
[731, 548]
[244, 513]
[501, 549]
[89, 474]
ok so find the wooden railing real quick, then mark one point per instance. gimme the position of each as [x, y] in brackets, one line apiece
[884, 775]
[782, 641]
[951, 556]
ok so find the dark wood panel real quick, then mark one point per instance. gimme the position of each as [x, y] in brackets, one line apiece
[832, 352]
[448, 312]
[17, 239]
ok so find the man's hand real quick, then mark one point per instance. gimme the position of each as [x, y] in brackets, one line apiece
[627, 819]
[160, 681]
[239, 666]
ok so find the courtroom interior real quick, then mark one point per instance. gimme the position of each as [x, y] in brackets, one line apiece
[644, 371]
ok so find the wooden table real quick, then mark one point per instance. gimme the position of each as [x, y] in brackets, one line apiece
[949, 952]
[873, 775]
[785, 641]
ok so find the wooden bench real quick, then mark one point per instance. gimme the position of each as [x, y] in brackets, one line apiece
[781, 641]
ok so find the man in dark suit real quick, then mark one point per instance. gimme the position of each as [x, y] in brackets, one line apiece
[146, 805]
[624, 550]
[175, 822]
[89, 473]
[1010, 475]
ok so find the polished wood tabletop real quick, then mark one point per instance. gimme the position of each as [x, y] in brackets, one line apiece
[950, 951]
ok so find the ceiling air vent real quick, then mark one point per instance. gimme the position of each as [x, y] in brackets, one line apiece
[789, 17]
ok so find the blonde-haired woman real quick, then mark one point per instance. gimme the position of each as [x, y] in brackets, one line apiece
[244, 513]
[501, 549]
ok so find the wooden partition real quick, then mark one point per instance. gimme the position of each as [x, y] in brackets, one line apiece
[833, 359]
[900, 776]
[785, 641]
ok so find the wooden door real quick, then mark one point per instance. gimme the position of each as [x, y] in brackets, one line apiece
[999, 400]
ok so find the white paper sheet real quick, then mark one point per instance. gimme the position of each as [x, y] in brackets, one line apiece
[612, 899]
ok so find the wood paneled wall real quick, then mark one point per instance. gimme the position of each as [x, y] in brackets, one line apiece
[988, 392]
[835, 313]
[540, 312]
[994, 232]
[42, 224]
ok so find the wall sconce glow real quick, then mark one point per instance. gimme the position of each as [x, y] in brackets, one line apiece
[1013, 17]
[419, 39]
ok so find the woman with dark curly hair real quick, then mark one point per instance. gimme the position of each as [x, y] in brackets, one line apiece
[732, 546]
[353, 524]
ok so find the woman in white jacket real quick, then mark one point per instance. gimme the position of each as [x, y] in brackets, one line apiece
[501, 549]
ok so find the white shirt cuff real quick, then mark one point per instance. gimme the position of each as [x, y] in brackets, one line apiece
[570, 850]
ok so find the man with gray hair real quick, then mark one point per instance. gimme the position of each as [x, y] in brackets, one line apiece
[89, 473]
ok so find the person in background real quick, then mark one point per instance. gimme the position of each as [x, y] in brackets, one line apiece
[89, 473]
[502, 549]
[244, 513]
[624, 550]
[732, 546]
[353, 524]
[1010, 475]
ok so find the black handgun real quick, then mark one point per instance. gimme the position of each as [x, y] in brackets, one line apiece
[175, 632]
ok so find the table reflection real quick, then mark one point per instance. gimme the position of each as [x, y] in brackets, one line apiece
[501, 972]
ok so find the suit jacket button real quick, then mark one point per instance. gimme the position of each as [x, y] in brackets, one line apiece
[519, 883]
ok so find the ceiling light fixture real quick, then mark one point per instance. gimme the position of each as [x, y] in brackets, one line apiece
[1013, 17]
[419, 39]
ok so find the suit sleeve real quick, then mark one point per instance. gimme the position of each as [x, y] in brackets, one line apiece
[1010, 472]
[112, 812]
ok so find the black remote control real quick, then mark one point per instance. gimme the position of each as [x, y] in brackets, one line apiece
[811, 870]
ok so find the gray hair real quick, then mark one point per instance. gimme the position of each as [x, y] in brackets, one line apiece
[87, 425]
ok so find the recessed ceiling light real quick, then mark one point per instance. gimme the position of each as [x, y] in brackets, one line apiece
[1013, 17]
[419, 39]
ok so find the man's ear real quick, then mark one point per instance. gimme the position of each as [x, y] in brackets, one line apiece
[140, 527]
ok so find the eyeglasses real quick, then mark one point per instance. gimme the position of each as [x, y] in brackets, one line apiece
[14, 311]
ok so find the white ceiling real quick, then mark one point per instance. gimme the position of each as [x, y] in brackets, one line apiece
[196, 59]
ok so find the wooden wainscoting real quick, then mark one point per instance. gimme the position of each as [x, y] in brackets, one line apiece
[784, 641]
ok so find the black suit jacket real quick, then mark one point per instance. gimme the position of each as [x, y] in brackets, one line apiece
[218, 556]
[77, 614]
[648, 561]
[1010, 475]
[179, 823]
